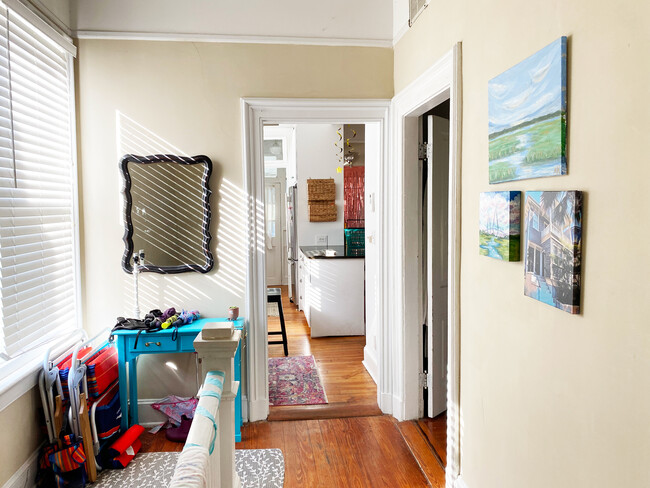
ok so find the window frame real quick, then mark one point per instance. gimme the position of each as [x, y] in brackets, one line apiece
[20, 374]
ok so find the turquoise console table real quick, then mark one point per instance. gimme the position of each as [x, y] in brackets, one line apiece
[157, 343]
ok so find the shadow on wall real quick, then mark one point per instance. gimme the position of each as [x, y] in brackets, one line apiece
[228, 204]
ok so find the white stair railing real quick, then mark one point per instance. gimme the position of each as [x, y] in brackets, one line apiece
[208, 459]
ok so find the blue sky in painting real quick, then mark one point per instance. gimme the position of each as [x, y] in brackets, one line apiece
[529, 89]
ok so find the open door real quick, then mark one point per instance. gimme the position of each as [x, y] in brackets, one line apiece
[437, 252]
[274, 210]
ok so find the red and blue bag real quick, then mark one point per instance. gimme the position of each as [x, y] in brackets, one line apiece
[66, 465]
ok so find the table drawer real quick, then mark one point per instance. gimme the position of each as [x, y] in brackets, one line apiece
[150, 343]
[187, 342]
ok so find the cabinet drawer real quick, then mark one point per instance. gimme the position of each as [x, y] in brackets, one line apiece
[187, 342]
[149, 343]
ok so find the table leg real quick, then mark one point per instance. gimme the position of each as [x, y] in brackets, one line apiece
[124, 399]
[133, 391]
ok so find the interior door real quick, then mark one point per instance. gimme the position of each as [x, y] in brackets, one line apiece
[437, 252]
[274, 238]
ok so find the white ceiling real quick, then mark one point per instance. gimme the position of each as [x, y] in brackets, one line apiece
[360, 21]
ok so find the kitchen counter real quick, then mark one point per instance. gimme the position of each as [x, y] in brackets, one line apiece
[331, 292]
[318, 252]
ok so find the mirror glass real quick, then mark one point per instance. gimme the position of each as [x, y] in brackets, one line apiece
[167, 212]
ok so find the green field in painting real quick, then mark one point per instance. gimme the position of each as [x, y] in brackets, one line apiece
[528, 151]
[506, 248]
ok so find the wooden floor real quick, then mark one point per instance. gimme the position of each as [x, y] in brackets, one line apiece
[427, 441]
[329, 453]
[347, 443]
[350, 390]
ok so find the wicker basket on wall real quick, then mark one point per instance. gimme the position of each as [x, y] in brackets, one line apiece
[321, 196]
[322, 212]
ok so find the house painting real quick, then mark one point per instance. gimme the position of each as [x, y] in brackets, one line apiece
[552, 243]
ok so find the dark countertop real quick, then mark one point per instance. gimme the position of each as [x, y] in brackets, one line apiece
[318, 252]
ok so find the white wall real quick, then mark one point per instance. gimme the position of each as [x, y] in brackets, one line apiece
[338, 19]
[316, 157]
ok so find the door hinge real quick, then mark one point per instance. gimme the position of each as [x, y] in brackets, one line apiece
[424, 380]
[425, 151]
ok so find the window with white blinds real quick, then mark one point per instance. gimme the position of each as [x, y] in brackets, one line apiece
[37, 218]
[415, 9]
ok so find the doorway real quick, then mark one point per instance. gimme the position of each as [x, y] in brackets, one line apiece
[256, 113]
[329, 341]
[434, 171]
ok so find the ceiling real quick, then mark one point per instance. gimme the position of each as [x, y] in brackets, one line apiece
[346, 22]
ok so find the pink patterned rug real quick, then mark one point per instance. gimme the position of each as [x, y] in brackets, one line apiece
[294, 380]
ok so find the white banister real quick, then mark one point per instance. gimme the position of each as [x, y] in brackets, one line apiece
[213, 427]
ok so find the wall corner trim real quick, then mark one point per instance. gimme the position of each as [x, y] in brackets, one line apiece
[231, 38]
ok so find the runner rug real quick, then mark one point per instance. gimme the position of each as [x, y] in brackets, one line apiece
[256, 467]
[294, 380]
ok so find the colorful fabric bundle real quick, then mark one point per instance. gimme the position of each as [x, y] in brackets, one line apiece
[64, 371]
[102, 371]
[125, 448]
[108, 413]
[68, 464]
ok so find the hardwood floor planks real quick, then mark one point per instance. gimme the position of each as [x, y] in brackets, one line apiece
[349, 388]
[435, 430]
[423, 453]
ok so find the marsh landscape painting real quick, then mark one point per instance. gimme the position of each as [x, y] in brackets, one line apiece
[527, 108]
[553, 248]
[500, 225]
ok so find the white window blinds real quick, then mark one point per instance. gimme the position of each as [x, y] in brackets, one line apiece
[37, 223]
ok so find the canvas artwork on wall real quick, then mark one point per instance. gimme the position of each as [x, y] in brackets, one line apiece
[500, 225]
[552, 244]
[527, 108]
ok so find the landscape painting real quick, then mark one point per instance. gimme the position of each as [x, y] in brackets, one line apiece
[527, 109]
[553, 248]
[500, 225]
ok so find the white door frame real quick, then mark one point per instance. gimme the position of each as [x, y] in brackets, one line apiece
[255, 113]
[440, 82]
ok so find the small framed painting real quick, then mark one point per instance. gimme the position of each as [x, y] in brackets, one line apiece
[553, 248]
[500, 225]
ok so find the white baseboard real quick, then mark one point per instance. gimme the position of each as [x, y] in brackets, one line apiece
[244, 408]
[370, 363]
[460, 483]
[25, 477]
[259, 410]
[147, 416]
[386, 403]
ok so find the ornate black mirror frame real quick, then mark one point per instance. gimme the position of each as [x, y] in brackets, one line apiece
[128, 231]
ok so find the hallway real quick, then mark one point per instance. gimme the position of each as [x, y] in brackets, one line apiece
[350, 390]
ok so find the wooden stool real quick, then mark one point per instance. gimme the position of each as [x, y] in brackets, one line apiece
[274, 295]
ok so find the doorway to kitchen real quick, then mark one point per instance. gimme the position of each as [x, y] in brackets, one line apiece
[316, 179]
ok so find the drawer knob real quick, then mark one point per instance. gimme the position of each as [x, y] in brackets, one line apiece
[147, 344]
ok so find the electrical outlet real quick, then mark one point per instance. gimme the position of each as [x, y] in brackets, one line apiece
[321, 240]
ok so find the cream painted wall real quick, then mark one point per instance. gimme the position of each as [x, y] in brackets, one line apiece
[20, 433]
[549, 399]
[138, 96]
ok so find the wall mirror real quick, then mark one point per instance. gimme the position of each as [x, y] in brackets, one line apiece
[167, 212]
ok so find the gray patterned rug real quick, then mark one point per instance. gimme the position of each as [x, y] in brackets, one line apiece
[257, 468]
